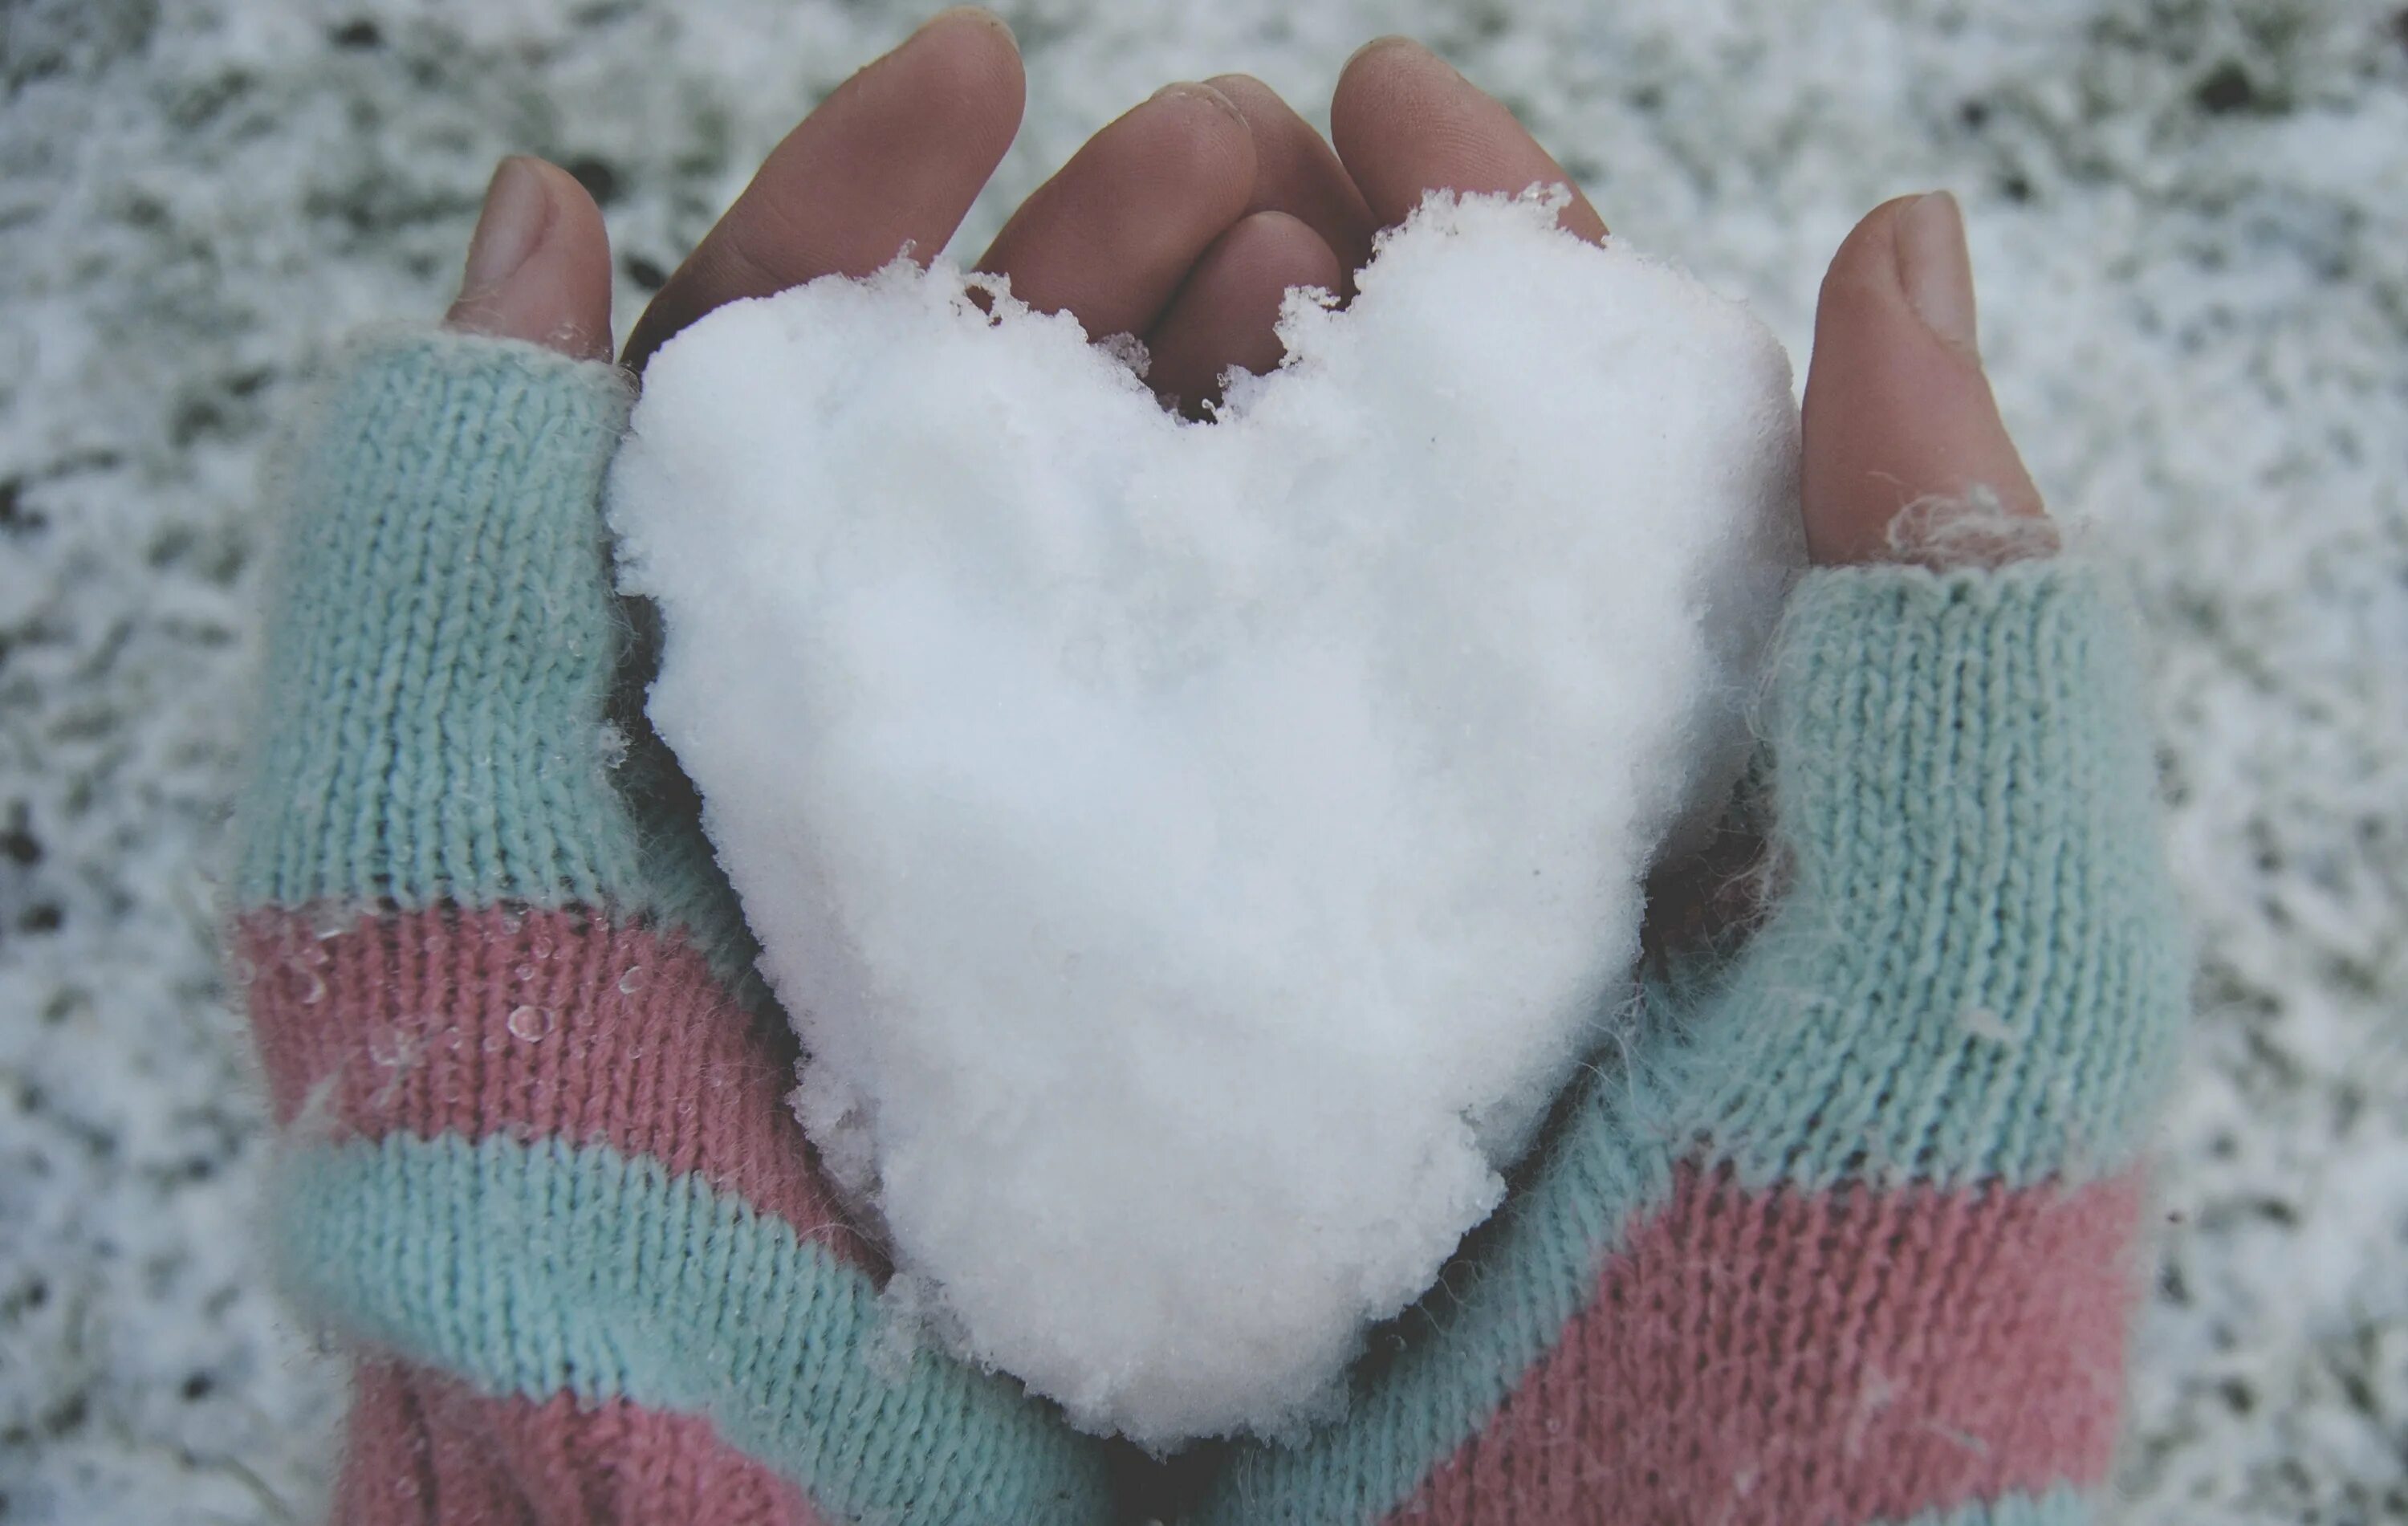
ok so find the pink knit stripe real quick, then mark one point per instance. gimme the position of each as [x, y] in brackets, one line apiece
[426, 1451]
[1798, 1357]
[532, 1024]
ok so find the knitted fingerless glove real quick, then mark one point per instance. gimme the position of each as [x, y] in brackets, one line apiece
[1849, 1228]
[538, 1166]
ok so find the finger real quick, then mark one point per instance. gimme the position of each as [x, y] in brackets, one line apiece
[895, 156]
[1898, 412]
[1110, 236]
[539, 266]
[1406, 123]
[1297, 172]
[1225, 314]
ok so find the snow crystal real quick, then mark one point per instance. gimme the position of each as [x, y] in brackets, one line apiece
[1194, 853]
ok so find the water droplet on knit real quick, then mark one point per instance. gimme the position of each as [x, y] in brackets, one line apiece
[314, 989]
[542, 949]
[1984, 1024]
[327, 921]
[530, 1023]
[525, 971]
[634, 980]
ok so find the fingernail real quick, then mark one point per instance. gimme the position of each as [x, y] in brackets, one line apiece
[1392, 39]
[1936, 270]
[517, 205]
[1188, 90]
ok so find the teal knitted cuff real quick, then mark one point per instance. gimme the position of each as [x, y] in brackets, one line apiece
[542, 1267]
[1977, 969]
[442, 636]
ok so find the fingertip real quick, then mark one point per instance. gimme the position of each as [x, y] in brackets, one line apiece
[1297, 172]
[1112, 235]
[1384, 43]
[1198, 134]
[1370, 78]
[538, 265]
[1855, 260]
[976, 16]
[965, 60]
[1228, 312]
[1898, 413]
[1248, 99]
[1405, 122]
[1235, 85]
[891, 161]
[1285, 244]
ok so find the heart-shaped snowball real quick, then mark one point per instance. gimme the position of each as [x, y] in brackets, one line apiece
[1194, 853]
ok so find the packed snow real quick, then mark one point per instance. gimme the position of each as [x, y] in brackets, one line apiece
[1194, 853]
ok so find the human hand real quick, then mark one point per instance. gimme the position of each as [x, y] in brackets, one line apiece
[1185, 220]
[540, 1168]
[1843, 1223]
[1898, 412]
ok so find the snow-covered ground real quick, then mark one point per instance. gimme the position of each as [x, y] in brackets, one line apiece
[2189, 219]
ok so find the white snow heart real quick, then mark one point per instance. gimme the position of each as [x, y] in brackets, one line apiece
[1194, 855]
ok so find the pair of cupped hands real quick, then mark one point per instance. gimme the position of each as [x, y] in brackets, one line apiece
[1184, 221]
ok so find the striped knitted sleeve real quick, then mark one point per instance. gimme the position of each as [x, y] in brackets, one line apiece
[539, 1171]
[1850, 1228]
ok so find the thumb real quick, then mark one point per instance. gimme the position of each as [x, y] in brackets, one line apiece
[539, 266]
[1898, 414]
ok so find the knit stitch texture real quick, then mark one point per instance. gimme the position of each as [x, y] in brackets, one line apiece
[1841, 1227]
[531, 1094]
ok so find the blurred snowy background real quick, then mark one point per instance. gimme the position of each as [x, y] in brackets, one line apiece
[2190, 222]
